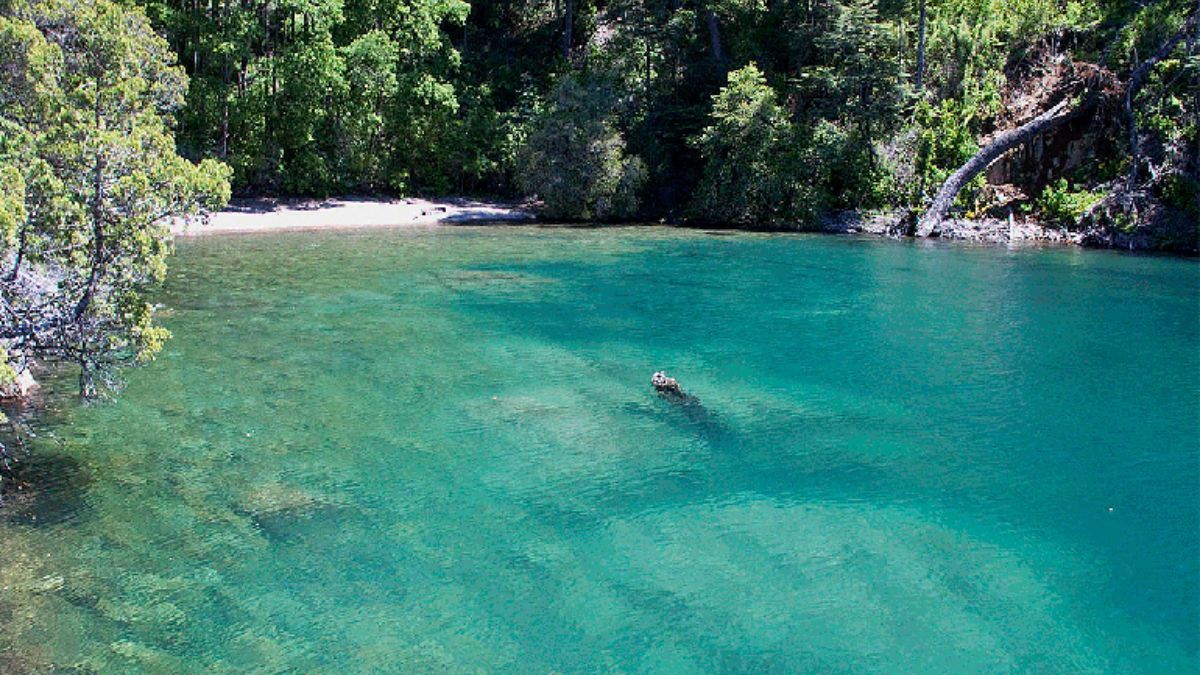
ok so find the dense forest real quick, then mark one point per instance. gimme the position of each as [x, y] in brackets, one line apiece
[117, 116]
[762, 113]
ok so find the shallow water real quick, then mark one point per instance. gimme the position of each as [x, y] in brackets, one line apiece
[437, 450]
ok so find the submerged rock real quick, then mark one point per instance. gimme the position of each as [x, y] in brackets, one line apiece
[275, 497]
[285, 513]
[45, 490]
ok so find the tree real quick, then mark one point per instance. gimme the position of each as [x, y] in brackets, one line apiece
[575, 159]
[1137, 79]
[754, 169]
[87, 109]
[862, 69]
[713, 24]
[568, 35]
[1055, 117]
[372, 87]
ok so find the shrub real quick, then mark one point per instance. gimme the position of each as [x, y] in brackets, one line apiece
[945, 140]
[1060, 204]
[1181, 192]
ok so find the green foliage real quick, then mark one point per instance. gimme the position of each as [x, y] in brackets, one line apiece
[317, 96]
[945, 138]
[861, 71]
[372, 86]
[754, 167]
[1181, 192]
[1062, 204]
[92, 179]
[7, 373]
[12, 203]
[1145, 28]
[971, 41]
[575, 160]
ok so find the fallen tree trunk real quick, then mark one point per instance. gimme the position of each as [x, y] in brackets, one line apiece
[1053, 118]
[931, 221]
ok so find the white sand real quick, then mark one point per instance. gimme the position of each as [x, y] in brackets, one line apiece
[269, 215]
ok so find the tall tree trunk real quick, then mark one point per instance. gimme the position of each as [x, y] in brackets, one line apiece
[568, 36]
[97, 216]
[921, 50]
[714, 36]
[21, 240]
[1053, 118]
[646, 85]
[1193, 41]
[1138, 78]
[225, 75]
[195, 37]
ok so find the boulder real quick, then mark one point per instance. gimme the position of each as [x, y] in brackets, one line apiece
[20, 387]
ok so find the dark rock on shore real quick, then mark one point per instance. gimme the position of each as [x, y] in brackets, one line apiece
[1159, 234]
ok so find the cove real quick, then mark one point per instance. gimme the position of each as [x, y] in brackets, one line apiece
[438, 450]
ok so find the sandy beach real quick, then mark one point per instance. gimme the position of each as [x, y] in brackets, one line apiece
[270, 215]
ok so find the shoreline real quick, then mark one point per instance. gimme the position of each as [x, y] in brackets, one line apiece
[1161, 238]
[987, 231]
[266, 215]
[252, 215]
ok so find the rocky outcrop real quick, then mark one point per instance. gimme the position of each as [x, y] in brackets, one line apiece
[1040, 77]
[997, 231]
[20, 387]
[884, 223]
[1163, 230]
[1160, 227]
[983, 230]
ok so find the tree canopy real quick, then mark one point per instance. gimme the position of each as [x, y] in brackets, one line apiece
[88, 93]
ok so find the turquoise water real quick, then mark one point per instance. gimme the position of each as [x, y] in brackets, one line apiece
[437, 450]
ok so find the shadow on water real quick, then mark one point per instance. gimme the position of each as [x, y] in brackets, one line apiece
[689, 415]
[706, 424]
[723, 460]
[43, 490]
